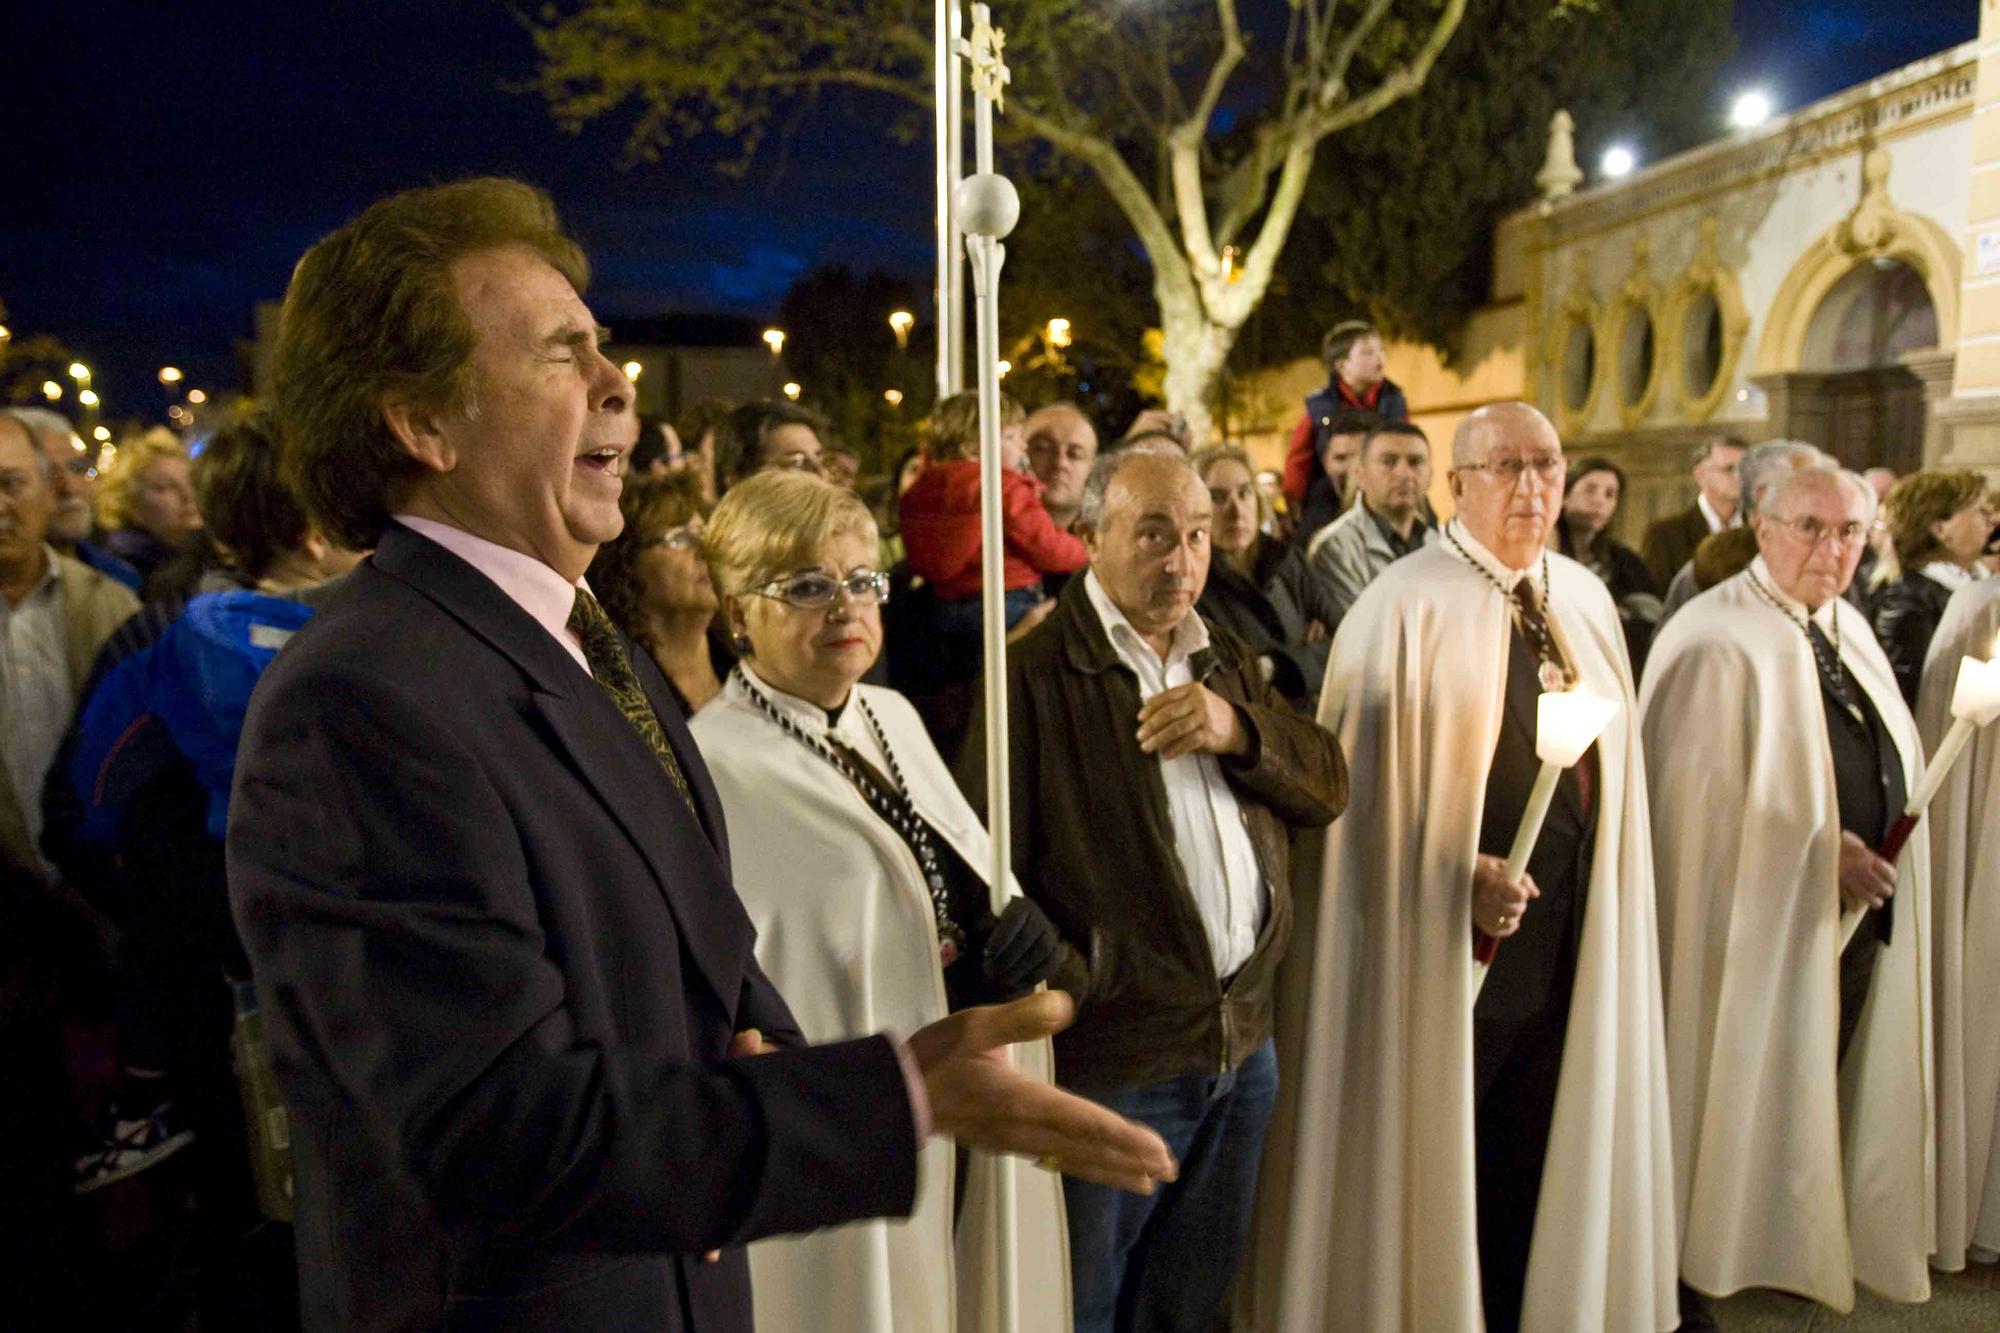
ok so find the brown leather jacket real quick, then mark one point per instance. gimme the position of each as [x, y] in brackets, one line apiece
[1093, 844]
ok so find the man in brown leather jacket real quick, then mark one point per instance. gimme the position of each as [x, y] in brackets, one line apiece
[1156, 780]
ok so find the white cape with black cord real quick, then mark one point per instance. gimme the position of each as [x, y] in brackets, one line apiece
[1367, 1215]
[847, 933]
[1793, 1170]
[1965, 915]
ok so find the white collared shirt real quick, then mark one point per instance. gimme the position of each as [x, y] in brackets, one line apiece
[531, 585]
[35, 702]
[1210, 839]
[1505, 576]
[1713, 519]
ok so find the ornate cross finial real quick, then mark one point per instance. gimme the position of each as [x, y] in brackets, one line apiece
[986, 49]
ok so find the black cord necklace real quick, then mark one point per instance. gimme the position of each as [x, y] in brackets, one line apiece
[894, 807]
[1551, 675]
[1834, 671]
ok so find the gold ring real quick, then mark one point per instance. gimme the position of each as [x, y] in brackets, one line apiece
[1048, 1161]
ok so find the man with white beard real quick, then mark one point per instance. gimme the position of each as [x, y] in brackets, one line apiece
[1443, 1164]
[1799, 1068]
[1965, 915]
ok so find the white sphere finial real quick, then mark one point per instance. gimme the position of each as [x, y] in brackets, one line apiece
[986, 205]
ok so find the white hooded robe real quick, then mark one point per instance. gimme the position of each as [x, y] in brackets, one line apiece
[847, 933]
[1790, 1173]
[1965, 916]
[1368, 1215]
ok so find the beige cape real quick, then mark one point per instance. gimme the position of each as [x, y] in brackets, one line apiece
[1965, 915]
[847, 933]
[1367, 1219]
[1746, 846]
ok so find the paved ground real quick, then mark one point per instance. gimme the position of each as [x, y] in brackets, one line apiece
[1967, 1302]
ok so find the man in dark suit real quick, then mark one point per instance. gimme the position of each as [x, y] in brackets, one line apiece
[481, 873]
[1670, 541]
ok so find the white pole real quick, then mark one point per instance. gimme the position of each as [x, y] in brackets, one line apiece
[948, 115]
[986, 209]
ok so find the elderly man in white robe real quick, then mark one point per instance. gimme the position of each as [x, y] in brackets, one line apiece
[1800, 1067]
[1445, 1162]
[1965, 915]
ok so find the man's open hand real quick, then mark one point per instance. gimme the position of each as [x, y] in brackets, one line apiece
[1188, 718]
[981, 1100]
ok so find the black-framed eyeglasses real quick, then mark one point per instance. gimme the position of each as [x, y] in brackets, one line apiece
[1546, 467]
[815, 590]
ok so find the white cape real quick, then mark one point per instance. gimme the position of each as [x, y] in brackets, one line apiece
[1746, 844]
[847, 933]
[1368, 1215]
[1965, 914]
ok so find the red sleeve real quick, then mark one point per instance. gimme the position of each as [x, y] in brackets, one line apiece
[1033, 535]
[1299, 461]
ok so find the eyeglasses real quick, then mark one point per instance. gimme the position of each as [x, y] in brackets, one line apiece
[1508, 471]
[814, 590]
[1814, 532]
[686, 537]
[796, 461]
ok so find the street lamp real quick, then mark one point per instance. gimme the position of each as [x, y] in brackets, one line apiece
[52, 391]
[101, 434]
[775, 340]
[1618, 162]
[1751, 109]
[632, 370]
[170, 375]
[1005, 366]
[79, 372]
[901, 322]
[1057, 333]
[792, 390]
[197, 397]
[894, 397]
[88, 398]
[5, 333]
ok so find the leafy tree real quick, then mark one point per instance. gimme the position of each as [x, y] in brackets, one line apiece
[1398, 218]
[1200, 118]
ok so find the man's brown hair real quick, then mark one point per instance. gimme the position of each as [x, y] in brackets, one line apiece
[243, 499]
[373, 313]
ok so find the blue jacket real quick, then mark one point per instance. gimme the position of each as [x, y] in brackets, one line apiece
[181, 695]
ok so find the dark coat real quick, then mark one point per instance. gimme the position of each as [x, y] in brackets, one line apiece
[1907, 613]
[1670, 543]
[500, 963]
[1621, 570]
[1270, 609]
[1094, 845]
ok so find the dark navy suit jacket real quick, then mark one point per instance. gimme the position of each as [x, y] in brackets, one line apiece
[500, 963]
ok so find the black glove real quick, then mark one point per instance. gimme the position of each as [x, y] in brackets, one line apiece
[1021, 947]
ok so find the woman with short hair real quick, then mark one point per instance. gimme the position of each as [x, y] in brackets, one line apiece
[1940, 523]
[147, 499]
[864, 871]
[653, 581]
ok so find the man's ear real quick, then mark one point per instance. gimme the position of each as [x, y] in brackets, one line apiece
[417, 428]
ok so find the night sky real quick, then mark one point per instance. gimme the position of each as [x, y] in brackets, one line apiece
[167, 164]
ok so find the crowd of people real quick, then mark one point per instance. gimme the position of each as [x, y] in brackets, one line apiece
[508, 862]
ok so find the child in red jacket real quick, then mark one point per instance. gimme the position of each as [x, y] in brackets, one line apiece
[940, 517]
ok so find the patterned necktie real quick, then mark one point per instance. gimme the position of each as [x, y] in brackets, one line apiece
[605, 652]
[1557, 671]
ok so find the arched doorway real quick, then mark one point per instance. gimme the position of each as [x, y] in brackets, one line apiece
[1857, 346]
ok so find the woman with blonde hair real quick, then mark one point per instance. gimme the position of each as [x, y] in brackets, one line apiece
[1940, 523]
[864, 871]
[147, 499]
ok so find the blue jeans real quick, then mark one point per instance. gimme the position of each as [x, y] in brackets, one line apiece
[1163, 1263]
